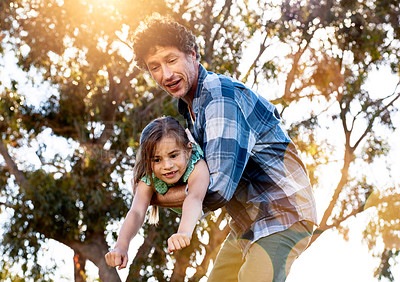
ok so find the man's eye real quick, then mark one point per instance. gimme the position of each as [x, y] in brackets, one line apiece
[172, 60]
[153, 67]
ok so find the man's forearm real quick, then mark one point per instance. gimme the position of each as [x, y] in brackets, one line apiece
[172, 199]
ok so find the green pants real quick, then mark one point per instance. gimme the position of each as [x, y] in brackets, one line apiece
[268, 259]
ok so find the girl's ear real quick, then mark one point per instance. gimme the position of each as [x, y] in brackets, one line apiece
[189, 149]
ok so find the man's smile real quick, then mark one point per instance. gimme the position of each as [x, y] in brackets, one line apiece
[173, 84]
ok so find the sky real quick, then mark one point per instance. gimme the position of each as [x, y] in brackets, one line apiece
[330, 258]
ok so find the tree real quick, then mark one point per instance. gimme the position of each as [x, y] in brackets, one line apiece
[102, 101]
[320, 52]
[71, 200]
[334, 46]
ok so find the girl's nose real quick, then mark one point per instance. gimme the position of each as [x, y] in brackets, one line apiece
[168, 164]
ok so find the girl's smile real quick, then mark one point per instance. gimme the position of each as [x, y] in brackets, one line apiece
[170, 174]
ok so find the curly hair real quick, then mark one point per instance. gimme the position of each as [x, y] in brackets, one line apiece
[157, 30]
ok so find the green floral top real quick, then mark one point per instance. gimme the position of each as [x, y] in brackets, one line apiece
[162, 187]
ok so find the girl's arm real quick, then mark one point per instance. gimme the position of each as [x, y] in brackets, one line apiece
[192, 206]
[133, 221]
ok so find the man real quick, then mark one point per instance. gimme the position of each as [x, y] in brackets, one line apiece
[256, 172]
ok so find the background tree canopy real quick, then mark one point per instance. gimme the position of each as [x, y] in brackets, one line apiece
[75, 55]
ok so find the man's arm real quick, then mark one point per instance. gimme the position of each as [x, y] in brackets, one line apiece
[227, 143]
[172, 199]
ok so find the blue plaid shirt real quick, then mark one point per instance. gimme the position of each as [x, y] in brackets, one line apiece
[256, 172]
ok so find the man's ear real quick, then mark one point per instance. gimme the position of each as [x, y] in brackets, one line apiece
[193, 54]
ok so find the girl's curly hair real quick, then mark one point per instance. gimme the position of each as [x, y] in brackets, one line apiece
[157, 30]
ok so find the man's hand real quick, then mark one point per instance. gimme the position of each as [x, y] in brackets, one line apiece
[178, 241]
[172, 199]
[117, 257]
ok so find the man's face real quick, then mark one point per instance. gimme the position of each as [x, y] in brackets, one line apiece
[175, 71]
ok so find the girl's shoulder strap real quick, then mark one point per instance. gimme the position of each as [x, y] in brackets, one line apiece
[197, 154]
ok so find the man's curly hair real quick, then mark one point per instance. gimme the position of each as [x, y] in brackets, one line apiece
[157, 30]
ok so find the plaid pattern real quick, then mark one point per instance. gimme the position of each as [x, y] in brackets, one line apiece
[256, 172]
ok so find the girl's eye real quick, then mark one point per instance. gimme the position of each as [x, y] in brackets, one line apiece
[156, 160]
[173, 156]
[153, 68]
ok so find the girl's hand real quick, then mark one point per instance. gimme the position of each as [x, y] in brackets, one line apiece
[117, 257]
[178, 241]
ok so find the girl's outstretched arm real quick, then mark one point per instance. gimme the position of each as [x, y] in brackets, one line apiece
[198, 183]
[133, 221]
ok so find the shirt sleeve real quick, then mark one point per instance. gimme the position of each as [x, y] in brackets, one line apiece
[227, 143]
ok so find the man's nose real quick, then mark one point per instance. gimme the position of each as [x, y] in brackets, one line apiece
[167, 72]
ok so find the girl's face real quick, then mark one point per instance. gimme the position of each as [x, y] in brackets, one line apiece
[169, 161]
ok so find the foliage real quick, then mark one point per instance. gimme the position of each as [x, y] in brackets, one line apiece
[384, 228]
[300, 54]
[6, 273]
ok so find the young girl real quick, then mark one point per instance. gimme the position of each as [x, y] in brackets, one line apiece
[166, 158]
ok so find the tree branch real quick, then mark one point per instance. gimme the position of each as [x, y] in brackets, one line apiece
[343, 180]
[324, 228]
[6, 205]
[212, 248]
[227, 8]
[208, 27]
[263, 47]
[12, 166]
[291, 75]
[374, 117]
[131, 76]
[115, 99]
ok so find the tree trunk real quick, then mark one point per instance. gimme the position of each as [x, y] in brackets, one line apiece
[79, 267]
[94, 249]
[214, 245]
[181, 264]
[211, 250]
[142, 254]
